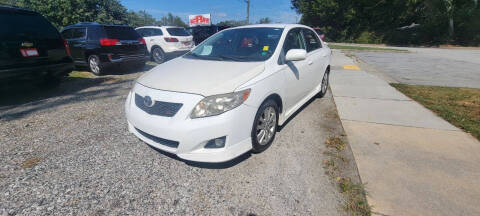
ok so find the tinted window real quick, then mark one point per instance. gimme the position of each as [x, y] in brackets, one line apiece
[294, 40]
[23, 25]
[157, 32]
[121, 32]
[67, 34]
[243, 44]
[79, 33]
[178, 32]
[141, 32]
[311, 40]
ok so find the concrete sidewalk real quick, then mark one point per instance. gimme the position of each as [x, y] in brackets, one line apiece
[412, 161]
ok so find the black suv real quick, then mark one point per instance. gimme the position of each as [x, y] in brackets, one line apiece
[201, 33]
[101, 46]
[31, 47]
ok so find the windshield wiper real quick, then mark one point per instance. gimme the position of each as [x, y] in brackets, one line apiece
[234, 58]
[205, 57]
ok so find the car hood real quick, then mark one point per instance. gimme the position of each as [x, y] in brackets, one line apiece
[204, 77]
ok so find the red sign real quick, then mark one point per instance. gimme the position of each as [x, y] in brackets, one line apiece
[202, 19]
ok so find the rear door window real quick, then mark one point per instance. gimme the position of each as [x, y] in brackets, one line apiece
[79, 33]
[121, 32]
[178, 32]
[157, 32]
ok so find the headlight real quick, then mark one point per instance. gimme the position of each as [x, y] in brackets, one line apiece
[218, 104]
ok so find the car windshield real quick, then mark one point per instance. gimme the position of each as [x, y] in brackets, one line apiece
[178, 32]
[243, 44]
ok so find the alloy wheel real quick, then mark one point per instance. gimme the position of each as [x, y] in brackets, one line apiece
[266, 126]
[158, 55]
[94, 65]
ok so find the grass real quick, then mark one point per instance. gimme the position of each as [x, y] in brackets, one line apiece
[459, 106]
[344, 47]
[355, 195]
[81, 74]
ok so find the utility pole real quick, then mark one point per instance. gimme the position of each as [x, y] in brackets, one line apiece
[248, 11]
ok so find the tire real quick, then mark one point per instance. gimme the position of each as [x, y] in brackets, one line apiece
[95, 65]
[158, 56]
[325, 83]
[266, 120]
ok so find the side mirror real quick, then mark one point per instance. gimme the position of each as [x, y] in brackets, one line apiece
[296, 55]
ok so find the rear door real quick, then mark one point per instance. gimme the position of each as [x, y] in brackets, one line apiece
[185, 39]
[27, 39]
[129, 41]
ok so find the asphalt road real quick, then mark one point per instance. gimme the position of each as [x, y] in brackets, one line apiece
[428, 66]
[68, 152]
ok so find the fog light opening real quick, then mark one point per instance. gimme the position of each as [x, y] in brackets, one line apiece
[216, 143]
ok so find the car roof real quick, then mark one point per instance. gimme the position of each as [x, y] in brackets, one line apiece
[276, 25]
[86, 24]
[158, 27]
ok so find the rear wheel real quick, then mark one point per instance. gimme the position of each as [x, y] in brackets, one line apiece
[325, 82]
[264, 126]
[158, 55]
[95, 65]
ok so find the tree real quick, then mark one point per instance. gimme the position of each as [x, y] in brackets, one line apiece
[171, 20]
[435, 21]
[265, 20]
[140, 18]
[231, 23]
[66, 12]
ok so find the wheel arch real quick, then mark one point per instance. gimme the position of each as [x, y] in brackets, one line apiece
[275, 97]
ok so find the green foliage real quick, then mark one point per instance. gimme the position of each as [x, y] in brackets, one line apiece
[264, 20]
[232, 23]
[66, 12]
[367, 21]
[171, 20]
[140, 18]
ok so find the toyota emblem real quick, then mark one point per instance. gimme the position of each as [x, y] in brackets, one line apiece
[148, 101]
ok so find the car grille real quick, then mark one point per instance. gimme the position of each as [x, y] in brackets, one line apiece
[161, 141]
[159, 108]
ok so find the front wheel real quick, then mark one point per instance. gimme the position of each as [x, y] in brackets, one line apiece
[264, 126]
[325, 82]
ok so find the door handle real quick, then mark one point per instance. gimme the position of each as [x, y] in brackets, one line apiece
[310, 62]
[152, 39]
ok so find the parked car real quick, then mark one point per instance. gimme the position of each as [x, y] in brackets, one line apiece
[320, 33]
[229, 94]
[164, 42]
[200, 33]
[101, 46]
[31, 47]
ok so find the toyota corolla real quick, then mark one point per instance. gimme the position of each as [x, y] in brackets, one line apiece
[229, 95]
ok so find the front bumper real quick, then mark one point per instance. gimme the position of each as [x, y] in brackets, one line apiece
[191, 134]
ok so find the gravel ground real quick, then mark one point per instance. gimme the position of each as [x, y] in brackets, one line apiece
[70, 153]
[428, 66]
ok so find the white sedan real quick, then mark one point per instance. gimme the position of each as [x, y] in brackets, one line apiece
[228, 95]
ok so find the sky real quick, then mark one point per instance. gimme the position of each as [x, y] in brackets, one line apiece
[276, 10]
